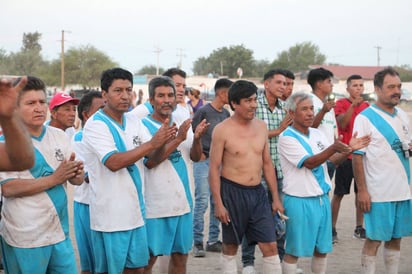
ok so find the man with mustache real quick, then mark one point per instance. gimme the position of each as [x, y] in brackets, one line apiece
[169, 205]
[382, 173]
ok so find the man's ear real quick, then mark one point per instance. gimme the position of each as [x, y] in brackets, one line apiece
[53, 113]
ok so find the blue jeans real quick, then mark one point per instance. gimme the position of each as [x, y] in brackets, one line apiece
[248, 251]
[202, 199]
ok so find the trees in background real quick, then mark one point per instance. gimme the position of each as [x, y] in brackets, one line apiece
[299, 57]
[226, 61]
[83, 65]
[150, 69]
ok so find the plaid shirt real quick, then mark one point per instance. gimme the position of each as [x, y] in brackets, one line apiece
[272, 120]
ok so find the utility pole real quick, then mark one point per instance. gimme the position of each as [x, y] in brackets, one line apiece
[157, 51]
[378, 48]
[62, 61]
[221, 68]
[180, 55]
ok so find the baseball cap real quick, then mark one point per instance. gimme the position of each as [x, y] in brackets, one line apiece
[60, 99]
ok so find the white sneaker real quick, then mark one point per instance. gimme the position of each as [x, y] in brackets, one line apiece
[299, 271]
[249, 270]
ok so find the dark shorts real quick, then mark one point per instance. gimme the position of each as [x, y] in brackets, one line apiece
[250, 214]
[343, 178]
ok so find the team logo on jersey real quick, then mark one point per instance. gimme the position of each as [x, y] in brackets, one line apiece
[58, 154]
[137, 141]
[397, 146]
[405, 130]
[320, 146]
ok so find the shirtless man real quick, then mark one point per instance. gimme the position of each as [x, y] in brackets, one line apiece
[239, 152]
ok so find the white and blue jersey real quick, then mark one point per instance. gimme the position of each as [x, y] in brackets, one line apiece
[294, 148]
[142, 110]
[40, 219]
[167, 188]
[116, 197]
[387, 170]
[81, 192]
[328, 124]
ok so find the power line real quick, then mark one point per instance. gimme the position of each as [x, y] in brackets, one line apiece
[378, 48]
[180, 54]
[157, 51]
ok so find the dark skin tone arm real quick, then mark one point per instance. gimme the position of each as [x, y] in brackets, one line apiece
[69, 170]
[327, 106]
[121, 160]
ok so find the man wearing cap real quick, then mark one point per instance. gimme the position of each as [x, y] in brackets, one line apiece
[63, 112]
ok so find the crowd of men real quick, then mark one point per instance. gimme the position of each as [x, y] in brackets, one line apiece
[265, 169]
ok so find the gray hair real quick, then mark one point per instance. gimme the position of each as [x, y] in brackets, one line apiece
[158, 82]
[295, 99]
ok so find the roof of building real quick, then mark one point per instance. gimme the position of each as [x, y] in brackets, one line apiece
[343, 72]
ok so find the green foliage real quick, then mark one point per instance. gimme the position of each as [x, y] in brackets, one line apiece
[226, 61]
[84, 65]
[405, 73]
[28, 60]
[31, 42]
[150, 69]
[299, 57]
[4, 62]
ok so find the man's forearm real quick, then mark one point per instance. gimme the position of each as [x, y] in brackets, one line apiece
[19, 147]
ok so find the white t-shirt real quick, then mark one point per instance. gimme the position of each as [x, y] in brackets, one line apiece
[81, 192]
[385, 174]
[142, 110]
[167, 192]
[114, 198]
[298, 180]
[34, 221]
[328, 124]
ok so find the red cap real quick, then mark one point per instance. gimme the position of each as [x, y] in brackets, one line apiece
[60, 99]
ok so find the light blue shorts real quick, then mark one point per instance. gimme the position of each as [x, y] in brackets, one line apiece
[57, 258]
[309, 225]
[115, 251]
[170, 235]
[387, 220]
[83, 235]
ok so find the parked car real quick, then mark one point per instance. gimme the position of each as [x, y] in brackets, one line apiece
[406, 96]
[369, 97]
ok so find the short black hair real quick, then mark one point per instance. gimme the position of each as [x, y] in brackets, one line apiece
[174, 71]
[380, 75]
[239, 90]
[318, 74]
[289, 74]
[33, 83]
[353, 77]
[86, 102]
[108, 76]
[272, 73]
[222, 83]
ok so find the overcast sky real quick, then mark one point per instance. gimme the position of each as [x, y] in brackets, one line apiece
[129, 31]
